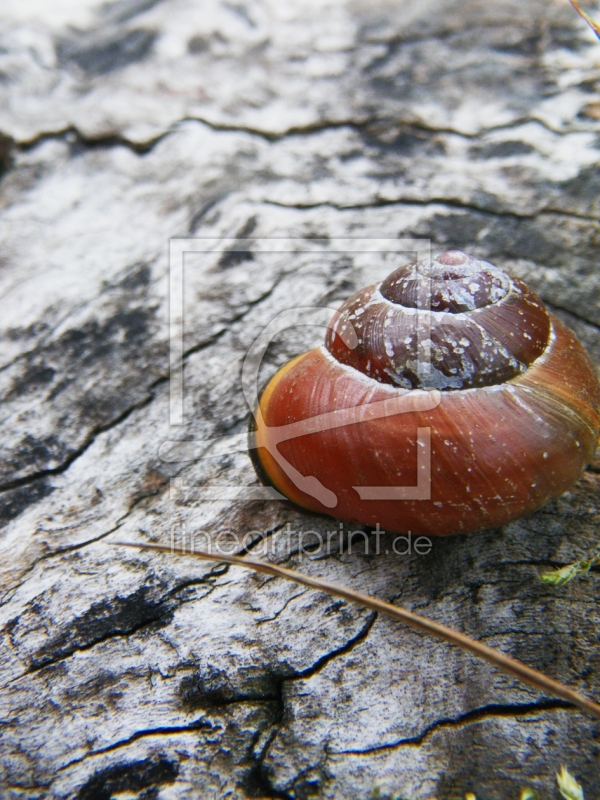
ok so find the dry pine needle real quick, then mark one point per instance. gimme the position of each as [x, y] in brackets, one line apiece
[505, 663]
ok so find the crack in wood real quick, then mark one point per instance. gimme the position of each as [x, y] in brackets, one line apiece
[493, 710]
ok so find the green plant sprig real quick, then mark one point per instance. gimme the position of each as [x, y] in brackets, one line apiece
[558, 577]
[568, 786]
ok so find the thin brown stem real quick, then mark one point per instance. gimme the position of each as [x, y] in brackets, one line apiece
[503, 662]
[593, 25]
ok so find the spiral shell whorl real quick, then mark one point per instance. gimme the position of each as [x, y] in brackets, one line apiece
[520, 433]
[454, 282]
[453, 322]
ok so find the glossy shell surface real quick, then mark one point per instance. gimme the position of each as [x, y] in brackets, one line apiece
[494, 452]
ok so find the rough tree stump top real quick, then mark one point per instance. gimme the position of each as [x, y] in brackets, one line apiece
[132, 674]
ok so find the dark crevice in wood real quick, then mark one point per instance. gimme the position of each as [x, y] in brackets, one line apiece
[430, 201]
[259, 780]
[163, 606]
[257, 777]
[493, 710]
[95, 432]
[93, 435]
[73, 136]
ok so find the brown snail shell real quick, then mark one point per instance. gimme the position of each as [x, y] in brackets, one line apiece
[459, 376]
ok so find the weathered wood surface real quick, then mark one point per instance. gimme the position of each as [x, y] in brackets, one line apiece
[131, 674]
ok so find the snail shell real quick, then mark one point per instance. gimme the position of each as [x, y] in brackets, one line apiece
[462, 404]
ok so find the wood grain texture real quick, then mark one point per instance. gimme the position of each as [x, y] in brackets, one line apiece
[126, 123]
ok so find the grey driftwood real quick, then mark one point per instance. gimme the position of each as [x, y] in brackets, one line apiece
[475, 124]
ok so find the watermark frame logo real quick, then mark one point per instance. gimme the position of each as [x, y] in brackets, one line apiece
[416, 400]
